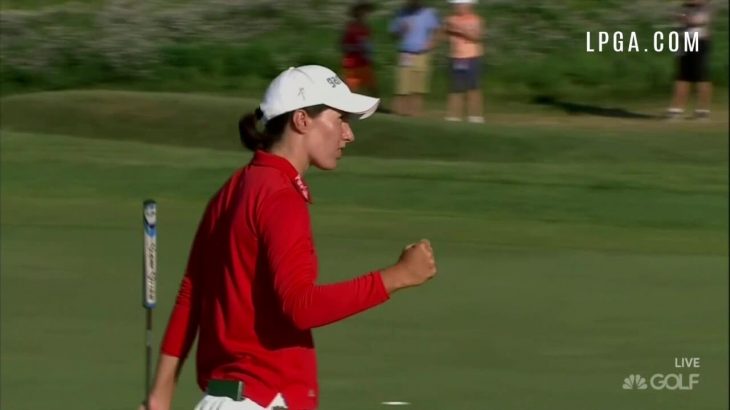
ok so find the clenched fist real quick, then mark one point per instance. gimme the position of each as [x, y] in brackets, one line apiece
[415, 266]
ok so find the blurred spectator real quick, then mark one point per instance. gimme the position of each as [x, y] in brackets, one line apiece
[357, 50]
[416, 27]
[693, 65]
[464, 29]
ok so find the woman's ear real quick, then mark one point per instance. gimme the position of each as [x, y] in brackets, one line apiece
[300, 121]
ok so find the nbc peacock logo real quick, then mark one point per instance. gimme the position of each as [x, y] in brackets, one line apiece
[635, 382]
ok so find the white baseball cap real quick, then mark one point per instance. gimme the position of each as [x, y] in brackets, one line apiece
[309, 85]
[463, 1]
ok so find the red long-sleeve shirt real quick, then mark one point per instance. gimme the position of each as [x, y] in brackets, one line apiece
[249, 289]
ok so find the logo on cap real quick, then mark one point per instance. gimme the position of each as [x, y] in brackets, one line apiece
[334, 81]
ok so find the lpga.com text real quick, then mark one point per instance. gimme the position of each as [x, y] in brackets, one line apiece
[620, 42]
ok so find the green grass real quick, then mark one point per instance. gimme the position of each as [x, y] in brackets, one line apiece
[573, 251]
[36, 4]
[531, 49]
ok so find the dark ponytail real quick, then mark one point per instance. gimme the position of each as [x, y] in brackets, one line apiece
[253, 139]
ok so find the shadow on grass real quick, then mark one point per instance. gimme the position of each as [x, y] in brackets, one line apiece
[575, 109]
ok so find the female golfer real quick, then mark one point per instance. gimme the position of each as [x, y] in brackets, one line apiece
[249, 292]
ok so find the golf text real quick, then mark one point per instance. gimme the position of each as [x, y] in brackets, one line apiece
[619, 42]
[667, 381]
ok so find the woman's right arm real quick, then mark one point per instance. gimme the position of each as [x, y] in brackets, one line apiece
[163, 388]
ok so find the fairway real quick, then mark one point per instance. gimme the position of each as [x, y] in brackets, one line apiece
[572, 252]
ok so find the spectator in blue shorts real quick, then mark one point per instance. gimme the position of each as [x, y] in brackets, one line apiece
[464, 29]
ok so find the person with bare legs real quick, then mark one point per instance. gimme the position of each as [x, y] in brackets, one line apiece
[693, 65]
[416, 28]
[464, 29]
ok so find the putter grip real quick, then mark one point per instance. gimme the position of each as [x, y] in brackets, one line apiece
[149, 269]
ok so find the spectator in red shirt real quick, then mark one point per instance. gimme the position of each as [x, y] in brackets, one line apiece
[249, 291]
[357, 50]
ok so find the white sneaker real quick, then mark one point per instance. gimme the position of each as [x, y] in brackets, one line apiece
[674, 114]
[702, 115]
[476, 119]
[452, 119]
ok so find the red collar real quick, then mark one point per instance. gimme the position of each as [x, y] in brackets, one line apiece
[266, 159]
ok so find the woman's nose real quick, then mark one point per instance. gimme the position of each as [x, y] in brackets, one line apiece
[347, 133]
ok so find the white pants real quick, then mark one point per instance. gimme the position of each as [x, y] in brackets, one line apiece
[227, 403]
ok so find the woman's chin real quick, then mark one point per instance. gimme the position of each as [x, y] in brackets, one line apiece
[327, 165]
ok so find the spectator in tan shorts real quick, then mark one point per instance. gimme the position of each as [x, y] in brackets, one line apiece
[416, 27]
[464, 29]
